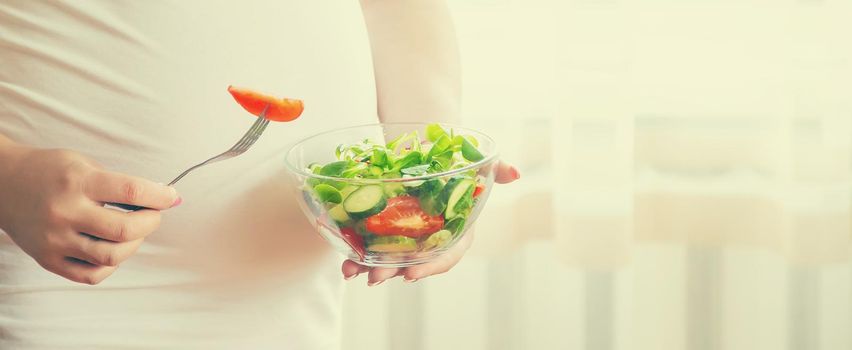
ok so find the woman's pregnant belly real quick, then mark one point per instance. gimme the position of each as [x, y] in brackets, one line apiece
[141, 88]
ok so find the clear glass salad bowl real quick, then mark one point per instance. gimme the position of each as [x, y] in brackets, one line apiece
[393, 194]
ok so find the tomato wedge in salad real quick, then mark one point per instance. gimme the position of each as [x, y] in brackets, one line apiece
[403, 216]
[478, 190]
[280, 109]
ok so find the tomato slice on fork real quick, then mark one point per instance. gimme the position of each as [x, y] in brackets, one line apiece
[280, 109]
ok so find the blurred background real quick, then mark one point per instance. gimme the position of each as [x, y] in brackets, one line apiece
[686, 182]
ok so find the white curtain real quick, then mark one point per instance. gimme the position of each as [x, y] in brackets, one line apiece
[685, 182]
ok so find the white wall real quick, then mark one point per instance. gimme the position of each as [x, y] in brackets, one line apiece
[686, 182]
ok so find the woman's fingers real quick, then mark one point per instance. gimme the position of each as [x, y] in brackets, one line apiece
[380, 274]
[442, 263]
[352, 269]
[506, 173]
[108, 186]
[101, 252]
[78, 270]
[117, 226]
[67, 191]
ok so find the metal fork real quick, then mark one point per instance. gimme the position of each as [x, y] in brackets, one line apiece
[240, 147]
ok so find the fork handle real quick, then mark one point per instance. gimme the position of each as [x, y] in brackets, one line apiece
[261, 119]
[129, 207]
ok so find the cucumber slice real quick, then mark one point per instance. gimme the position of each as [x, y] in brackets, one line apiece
[438, 239]
[458, 194]
[365, 201]
[346, 191]
[389, 244]
[338, 213]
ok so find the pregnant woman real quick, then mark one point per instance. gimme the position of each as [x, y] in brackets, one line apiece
[101, 100]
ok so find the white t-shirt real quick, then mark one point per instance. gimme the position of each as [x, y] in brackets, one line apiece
[140, 86]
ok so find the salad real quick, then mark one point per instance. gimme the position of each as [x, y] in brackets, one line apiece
[395, 214]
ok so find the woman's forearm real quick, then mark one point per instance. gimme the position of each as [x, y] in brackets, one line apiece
[415, 58]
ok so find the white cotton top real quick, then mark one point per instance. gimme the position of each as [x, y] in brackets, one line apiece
[140, 86]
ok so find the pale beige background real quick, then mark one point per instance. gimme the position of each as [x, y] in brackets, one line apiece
[686, 182]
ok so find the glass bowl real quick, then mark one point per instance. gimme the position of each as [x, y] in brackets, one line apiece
[395, 222]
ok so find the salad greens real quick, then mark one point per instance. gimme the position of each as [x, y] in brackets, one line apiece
[400, 216]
